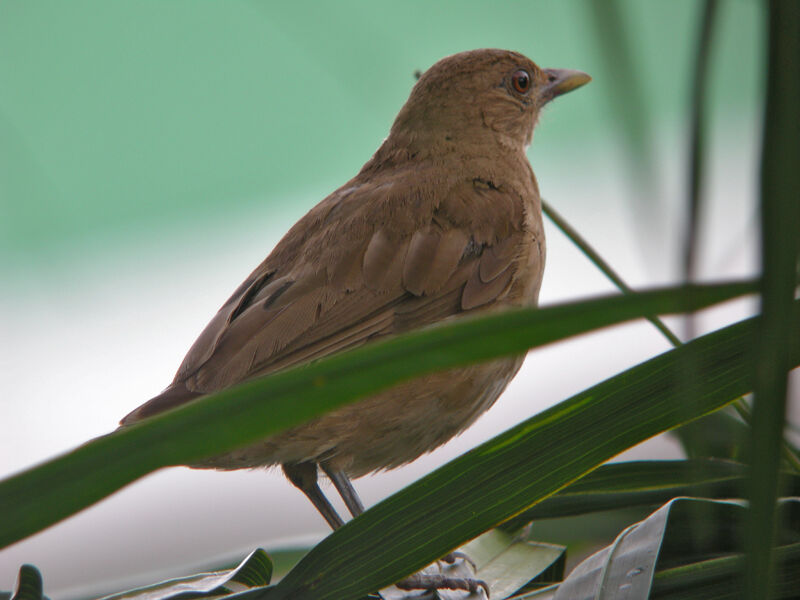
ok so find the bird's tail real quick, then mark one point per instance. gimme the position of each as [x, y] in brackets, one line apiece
[173, 396]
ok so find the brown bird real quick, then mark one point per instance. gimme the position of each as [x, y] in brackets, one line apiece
[443, 220]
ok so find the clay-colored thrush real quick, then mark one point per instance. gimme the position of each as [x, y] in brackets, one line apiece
[443, 220]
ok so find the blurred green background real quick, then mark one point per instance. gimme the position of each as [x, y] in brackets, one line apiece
[140, 118]
[153, 152]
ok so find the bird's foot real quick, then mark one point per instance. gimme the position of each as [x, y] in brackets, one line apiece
[439, 581]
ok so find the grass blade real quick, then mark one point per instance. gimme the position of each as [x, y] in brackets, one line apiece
[700, 80]
[43, 495]
[780, 229]
[717, 578]
[639, 483]
[594, 257]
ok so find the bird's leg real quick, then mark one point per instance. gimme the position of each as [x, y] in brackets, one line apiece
[418, 581]
[342, 483]
[303, 476]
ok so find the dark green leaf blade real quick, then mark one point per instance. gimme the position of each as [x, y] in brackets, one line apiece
[698, 120]
[43, 495]
[29, 584]
[718, 578]
[638, 483]
[780, 243]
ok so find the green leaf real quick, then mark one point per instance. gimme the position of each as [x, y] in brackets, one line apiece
[697, 155]
[719, 578]
[43, 495]
[254, 571]
[29, 585]
[719, 435]
[638, 483]
[522, 466]
[780, 244]
[602, 265]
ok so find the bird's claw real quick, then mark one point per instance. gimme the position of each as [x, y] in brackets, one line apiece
[456, 555]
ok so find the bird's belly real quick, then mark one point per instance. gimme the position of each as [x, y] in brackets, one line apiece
[387, 430]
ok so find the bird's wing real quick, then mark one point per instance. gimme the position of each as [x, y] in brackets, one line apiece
[342, 277]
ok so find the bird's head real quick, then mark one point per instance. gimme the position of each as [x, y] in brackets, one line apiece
[479, 97]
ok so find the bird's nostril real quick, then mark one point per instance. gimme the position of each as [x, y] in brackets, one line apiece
[551, 78]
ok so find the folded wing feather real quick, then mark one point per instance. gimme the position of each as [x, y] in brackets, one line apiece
[286, 314]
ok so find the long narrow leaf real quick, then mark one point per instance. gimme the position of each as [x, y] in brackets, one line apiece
[521, 467]
[718, 578]
[598, 261]
[700, 85]
[638, 483]
[41, 496]
[780, 236]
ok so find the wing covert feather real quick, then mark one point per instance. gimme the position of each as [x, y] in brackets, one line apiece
[431, 259]
[326, 291]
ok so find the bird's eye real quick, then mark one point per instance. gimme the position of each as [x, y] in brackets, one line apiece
[521, 81]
